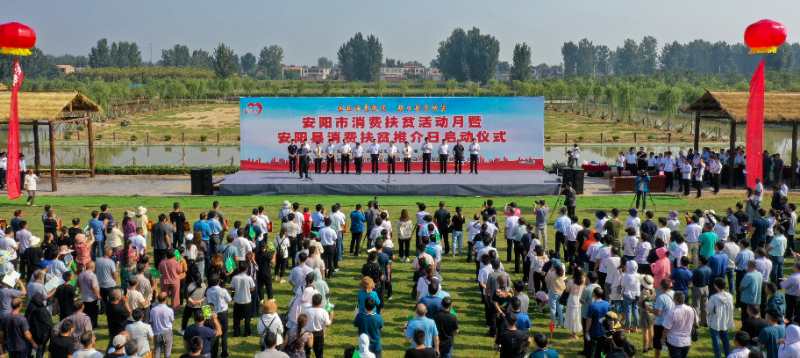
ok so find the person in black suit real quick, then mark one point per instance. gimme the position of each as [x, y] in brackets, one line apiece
[458, 156]
[292, 149]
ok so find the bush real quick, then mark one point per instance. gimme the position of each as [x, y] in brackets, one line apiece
[133, 138]
[651, 137]
[167, 138]
[615, 138]
[98, 137]
[203, 138]
[160, 170]
[580, 138]
[124, 123]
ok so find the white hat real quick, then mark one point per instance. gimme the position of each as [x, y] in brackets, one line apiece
[647, 282]
[141, 210]
[36, 241]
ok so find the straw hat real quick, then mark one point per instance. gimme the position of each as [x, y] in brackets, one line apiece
[647, 282]
[141, 211]
[270, 306]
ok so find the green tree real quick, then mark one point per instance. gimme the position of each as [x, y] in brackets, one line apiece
[602, 56]
[404, 88]
[225, 62]
[586, 61]
[648, 55]
[125, 54]
[100, 55]
[248, 63]
[627, 59]
[380, 86]
[326, 88]
[451, 57]
[669, 101]
[201, 59]
[270, 62]
[521, 70]
[569, 53]
[428, 87]
[451, 86]
[360, 58]
[324, 62]
[482, 55]
[177, 56]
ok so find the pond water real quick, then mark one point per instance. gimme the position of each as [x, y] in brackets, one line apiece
[776, 140]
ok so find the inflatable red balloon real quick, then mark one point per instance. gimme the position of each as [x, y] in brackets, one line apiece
[16, 39]
[765, 36]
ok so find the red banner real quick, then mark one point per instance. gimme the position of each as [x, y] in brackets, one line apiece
[12, 172]
[755, 127]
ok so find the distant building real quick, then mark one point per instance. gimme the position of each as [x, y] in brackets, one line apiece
[315, 73]
[392, 74]
[433, 74]
[66, 69]
[294, 72]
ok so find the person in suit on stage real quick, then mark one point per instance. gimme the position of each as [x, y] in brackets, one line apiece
[344, 152]
[358, 157]
[427, 149]
[374, 154]
[330, 153]
[391, 158]
[292, 149]
[474, 153]
[302, 155]
[318, 155]
[458, 156]
[407, 153]
[444, 150]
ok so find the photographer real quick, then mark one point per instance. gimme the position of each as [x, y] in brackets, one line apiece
[642, 188]
[570, 197]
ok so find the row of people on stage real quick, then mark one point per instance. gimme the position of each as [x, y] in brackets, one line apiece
[300, 156]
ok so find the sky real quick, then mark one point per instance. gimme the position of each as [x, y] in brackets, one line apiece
[408, 29]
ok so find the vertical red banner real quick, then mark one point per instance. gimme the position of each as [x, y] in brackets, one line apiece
[12, 172]
[755, 127]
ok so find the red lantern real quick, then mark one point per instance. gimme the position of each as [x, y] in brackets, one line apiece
[16, 39]
[765, 36]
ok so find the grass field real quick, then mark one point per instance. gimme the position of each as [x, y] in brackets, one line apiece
[457, 275]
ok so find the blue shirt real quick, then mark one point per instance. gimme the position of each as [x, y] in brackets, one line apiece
[424, 324]
[750, 288]
[681, 278]
[760, 226]
[742, 258]
[562, 223]
[371, 325]
[362, 299]
[701, 276]
[769, 338]
[433, 303]
[317, 219]
[357, 220]
[203, 227]
[597, 311]
[523, 321]
[777, 246]
[215, 226]
[664, 304]
[98, 229]
[718, 264]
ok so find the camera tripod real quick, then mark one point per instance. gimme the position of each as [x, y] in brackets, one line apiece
[648, 195]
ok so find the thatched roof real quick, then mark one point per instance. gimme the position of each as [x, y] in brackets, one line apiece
[779, 107]
[47, 106]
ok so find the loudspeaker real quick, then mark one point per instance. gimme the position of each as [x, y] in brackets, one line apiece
[202, 182]
[573, 177]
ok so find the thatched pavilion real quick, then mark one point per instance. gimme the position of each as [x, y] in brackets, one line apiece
[779, 108]
[49, 108]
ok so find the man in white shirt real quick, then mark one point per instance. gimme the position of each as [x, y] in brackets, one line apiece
[391, 158]
[678, 324]
[338, 222]
[161, 319]
[219, 298]
[374, 154]
[358, 157]
[561, 227]
[330, 151]
[720, 315]
[697, 176]
[328, 237]
[668, 167]
[715, 169]
[263, 223]
[297, 277]
[243, 287]
[444, 149]
[427, 149]
[407, 153]
[572, 241]
[474, 152]
[318, 322]
[686, 175]
[692, 235]
[345, 151]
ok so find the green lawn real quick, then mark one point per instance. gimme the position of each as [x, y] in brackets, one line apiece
[457, 274]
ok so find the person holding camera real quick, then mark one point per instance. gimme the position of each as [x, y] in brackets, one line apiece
[642, 187]
[570, 196]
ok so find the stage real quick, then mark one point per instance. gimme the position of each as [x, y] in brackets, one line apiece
[487, 183]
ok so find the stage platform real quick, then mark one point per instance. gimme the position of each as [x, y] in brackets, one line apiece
[488, 183]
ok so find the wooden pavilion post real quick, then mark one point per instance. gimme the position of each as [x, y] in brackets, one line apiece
[90, 133]
[793, 182]
[697, 132]
[732, 155]
[53, 172]
[36, 155]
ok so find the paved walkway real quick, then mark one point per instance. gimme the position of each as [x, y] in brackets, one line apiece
[144, 185]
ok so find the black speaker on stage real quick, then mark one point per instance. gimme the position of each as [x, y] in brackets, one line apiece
[573, 177]
[202, 182]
